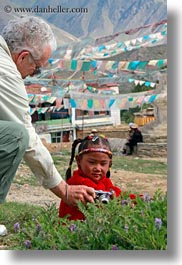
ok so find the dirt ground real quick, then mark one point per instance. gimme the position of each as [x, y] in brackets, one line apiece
[126, 180]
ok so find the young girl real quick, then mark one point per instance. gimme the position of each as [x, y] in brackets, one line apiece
[94, 160]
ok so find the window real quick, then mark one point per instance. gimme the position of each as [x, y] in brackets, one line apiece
[90, 114]
[60, 114]
[56, 137]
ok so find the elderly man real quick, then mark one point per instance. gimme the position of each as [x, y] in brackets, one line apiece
[25, 46]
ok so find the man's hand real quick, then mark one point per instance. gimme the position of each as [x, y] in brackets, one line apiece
[71, 194]
[81, 193]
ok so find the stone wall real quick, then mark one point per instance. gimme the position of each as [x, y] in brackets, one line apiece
[116, 144]
[152, 149]
[119, 132]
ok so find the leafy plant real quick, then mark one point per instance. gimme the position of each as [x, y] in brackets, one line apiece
[122, 224]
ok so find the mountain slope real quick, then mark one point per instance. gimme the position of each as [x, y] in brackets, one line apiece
[97, 17]
[62, 36]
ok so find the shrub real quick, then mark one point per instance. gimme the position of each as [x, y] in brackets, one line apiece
[122, 224]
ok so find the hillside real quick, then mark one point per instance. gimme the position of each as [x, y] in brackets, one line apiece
[94, 18]
[62, 36]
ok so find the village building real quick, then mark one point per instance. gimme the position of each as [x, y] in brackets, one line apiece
[56, 123]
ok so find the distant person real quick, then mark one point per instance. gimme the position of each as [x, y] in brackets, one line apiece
[135, 138]
[130, 132]
[25, 46]
[94, 131]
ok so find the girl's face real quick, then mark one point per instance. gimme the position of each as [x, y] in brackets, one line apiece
[94, 165]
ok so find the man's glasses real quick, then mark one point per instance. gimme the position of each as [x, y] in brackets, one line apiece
[37, 71]
[37, 68]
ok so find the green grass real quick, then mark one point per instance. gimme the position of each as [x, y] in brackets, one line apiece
[128, 163]
[31, 180]
[11, 213]
[139, 165]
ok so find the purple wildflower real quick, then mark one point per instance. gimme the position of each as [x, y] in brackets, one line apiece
[158, 223]
[27, 243]
[114, 247]
[38, 228]
[124, 202]
[126, 228]
[142, 213]
[17, 227]
[146, 197]
[72, 227]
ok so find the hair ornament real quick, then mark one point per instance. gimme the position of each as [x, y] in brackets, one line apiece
[92, 149]
[103, 136]
[94, 138]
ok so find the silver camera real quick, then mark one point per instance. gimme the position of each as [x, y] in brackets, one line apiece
[103, 196]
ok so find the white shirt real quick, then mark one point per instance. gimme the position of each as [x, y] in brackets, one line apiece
[14, 106]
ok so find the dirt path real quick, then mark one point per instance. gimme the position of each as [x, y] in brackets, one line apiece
[23, 191]
[31, 194]
[126, 180]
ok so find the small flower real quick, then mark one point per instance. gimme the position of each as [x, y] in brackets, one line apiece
[142, 213]
[158, 223]
[124, 202]
[72, 227]
[114, 247]
[126, 228]
[17, 227]
[146, 197]
[38, 228]
[27, 243]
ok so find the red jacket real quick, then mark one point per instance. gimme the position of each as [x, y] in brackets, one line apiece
[104, 184]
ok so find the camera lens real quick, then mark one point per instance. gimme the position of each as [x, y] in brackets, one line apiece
[104, 198]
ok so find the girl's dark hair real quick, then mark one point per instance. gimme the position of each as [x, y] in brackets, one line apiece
[88, 141]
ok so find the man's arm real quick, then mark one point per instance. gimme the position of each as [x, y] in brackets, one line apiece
[15, 107]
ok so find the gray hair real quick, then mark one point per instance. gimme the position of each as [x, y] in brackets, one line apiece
[29, 33]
